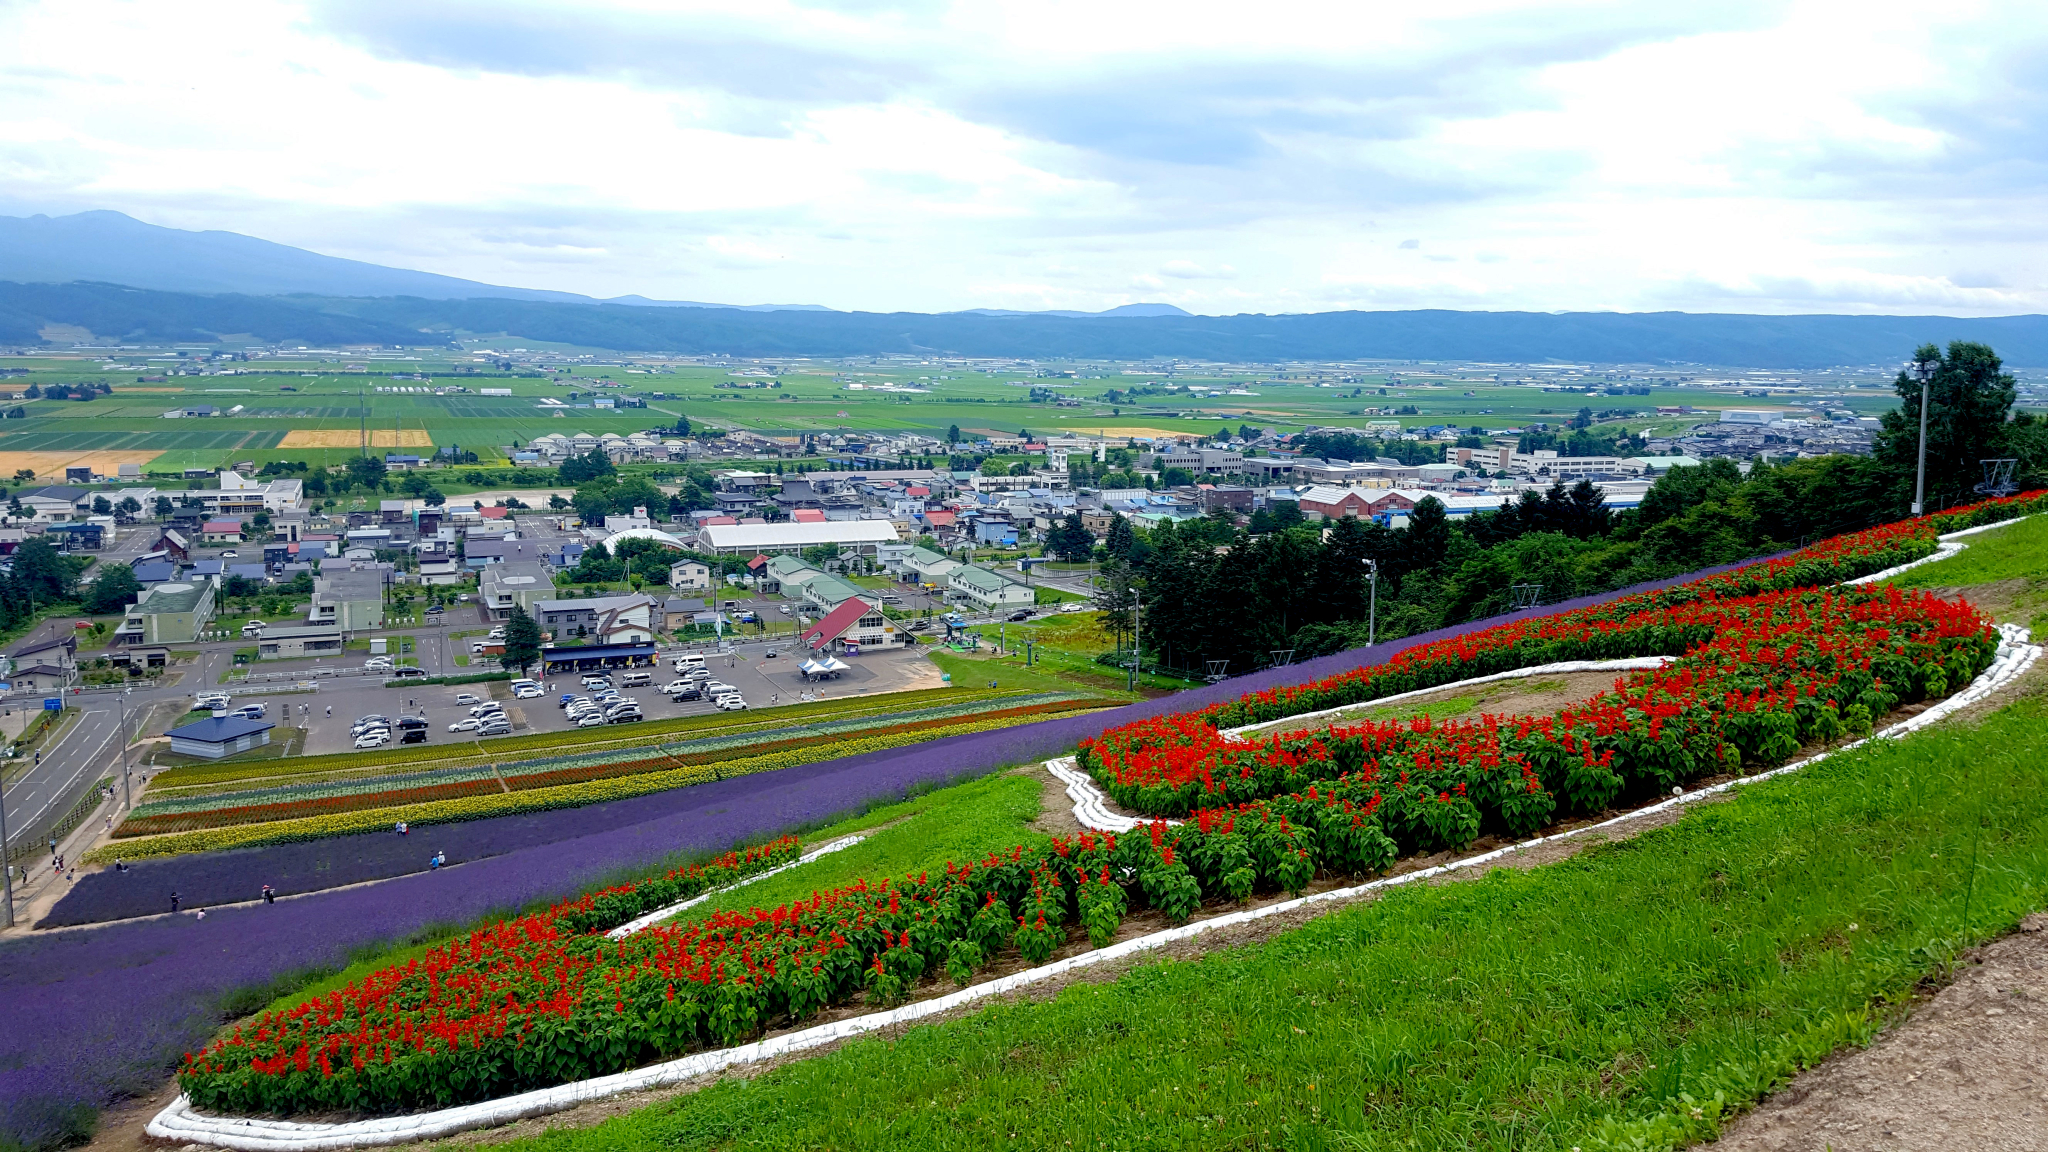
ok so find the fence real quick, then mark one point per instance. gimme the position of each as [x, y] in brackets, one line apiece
[28, 841]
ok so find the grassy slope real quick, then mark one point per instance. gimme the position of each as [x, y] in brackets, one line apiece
[2018, 552]
[1522, 1010]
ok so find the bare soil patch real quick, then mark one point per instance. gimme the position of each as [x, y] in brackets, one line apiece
[1965, 1070]
[352, 438]
[1536, 695]
[52, 464]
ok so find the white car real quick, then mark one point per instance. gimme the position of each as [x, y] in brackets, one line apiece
[210, 700]
[469, 725]
[375, 738]
[590, 720]
[377, 664]
[495, 634]
[492, 708]
[230, 554]
[528, 693]
[715, 689]
[675, 686]
[466, 699]
[730, 703]
[697, 674]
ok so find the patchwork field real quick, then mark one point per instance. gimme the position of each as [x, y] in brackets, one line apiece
[351, 438]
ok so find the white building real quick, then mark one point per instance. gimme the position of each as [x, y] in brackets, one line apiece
[858, 536]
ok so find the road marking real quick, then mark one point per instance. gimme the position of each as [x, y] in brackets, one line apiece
[82, 769]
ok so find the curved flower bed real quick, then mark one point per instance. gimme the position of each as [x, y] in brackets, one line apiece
[527, 1003]
[1758, 677]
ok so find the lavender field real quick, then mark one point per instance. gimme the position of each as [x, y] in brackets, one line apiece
[89, 1015]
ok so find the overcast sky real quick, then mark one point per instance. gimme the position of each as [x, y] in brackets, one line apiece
[1267, 156]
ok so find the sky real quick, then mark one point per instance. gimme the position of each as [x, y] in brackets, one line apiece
[1280, 156]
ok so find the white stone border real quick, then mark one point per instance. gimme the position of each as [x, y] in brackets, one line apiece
[660, 914]
[1947, 549]
[180, 1121]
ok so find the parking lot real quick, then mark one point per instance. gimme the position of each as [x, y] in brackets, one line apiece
[765, 682]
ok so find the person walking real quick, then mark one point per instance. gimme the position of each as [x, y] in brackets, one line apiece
[269, 894]
[174, 900]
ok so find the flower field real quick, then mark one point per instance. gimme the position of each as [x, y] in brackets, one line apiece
[195, 778]
[572, 787]
[1768, 662]
[184, 812]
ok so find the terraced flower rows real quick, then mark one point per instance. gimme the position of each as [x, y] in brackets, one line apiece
[292, 801]
[525, 1003]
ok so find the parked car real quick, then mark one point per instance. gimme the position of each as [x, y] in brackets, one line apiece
[531, 693]
[210, 700]
[731, 702]
[249, 712]
[407, 723]
[488, 708]
[253, 628]
[230, 554]
[469, 725]
[590, 720]
[374, 739]
[377, 664]
[501, 728]
[435, 610]
[717, 688]
[1020, 614]
[697, 674]
[690, 693]
[467, 699]
[413, 736]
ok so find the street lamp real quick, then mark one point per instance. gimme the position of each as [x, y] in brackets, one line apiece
[1925, 370]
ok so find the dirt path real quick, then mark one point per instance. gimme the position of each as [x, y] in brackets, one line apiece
[1967, 1070]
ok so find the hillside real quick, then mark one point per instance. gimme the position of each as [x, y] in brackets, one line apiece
[114, 312]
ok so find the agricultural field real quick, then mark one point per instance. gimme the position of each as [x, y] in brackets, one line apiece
[1612, 1014]
[317, 409]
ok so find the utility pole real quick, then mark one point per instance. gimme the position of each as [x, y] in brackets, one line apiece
[127, 792]
[6, 862]
[1372, 610]
[1137, 647]
[1925, 370]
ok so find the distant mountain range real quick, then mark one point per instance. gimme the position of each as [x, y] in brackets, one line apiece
[118, 249]
[125, 281]
[113, 248]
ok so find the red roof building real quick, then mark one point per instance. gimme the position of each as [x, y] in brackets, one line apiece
[494, 512]
[836, 623]
[807, 516]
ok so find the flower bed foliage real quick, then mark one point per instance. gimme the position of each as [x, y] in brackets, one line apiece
[182, 813]
[530, 1002]
[1759, 677]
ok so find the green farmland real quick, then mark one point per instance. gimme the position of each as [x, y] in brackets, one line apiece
[274, 396]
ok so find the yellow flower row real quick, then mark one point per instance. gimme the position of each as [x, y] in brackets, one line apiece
[504, 804]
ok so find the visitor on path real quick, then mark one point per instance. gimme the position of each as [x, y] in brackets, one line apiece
[174, 900]
[120, 865]
[269, 894]
[330, 709]
[199, 914]
[434, 862]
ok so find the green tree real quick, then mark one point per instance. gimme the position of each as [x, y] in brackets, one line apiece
[1122, 542]
[115, 589]
[592, 465]
[1429, 533]
[1970, 396]
[1070, 539]
[953, 434]
[367, 472]
[128, 507]
[522, 640]
[163, 507]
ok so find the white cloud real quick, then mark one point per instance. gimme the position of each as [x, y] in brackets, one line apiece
[1815, 155]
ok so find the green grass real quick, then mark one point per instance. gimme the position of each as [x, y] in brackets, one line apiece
[956, 824]
[1594, 1002]
[2014, 552]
